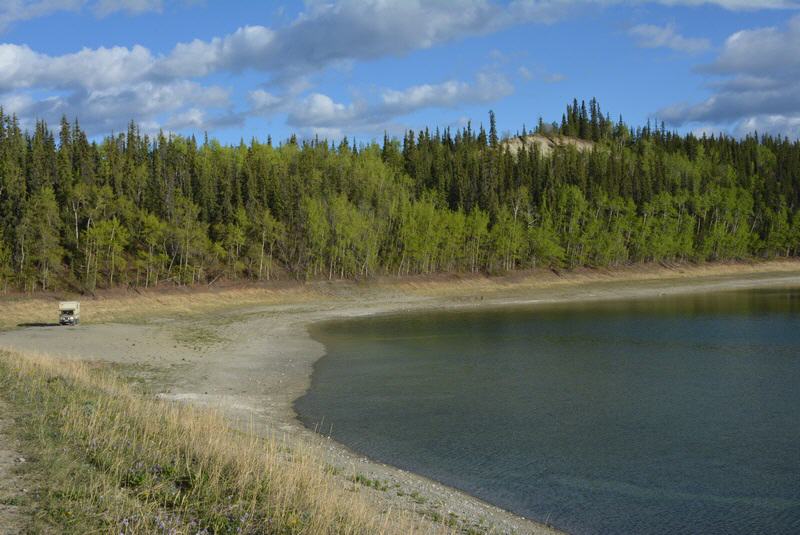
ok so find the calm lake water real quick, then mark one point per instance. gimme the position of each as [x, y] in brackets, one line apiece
[669, 415]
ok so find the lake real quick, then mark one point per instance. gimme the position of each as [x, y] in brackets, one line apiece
[668, 415]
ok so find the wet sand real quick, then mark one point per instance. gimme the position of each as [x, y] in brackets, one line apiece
[252, 362]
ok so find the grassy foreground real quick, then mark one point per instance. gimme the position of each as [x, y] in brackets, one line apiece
[109, 459]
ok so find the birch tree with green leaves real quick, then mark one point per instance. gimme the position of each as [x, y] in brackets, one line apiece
[92, 212]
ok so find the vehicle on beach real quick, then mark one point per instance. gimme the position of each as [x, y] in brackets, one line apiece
[69, 313]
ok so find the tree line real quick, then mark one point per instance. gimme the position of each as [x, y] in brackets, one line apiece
[132, 209]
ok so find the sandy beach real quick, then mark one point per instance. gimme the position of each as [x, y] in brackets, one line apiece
[252, 360]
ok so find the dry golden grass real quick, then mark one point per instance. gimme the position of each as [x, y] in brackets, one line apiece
[547, 279]
[133, 306]
[117, 461]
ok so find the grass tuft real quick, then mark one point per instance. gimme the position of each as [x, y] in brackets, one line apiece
[112, 459]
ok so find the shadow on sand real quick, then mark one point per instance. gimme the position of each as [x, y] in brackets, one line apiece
[37, 324]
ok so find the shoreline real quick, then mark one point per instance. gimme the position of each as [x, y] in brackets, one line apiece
[254, 361]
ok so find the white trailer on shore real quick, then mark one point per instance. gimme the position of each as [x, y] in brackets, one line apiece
[69, 312]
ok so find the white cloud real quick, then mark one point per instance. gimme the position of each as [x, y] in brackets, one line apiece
[652, 36]
[112, 85]
[553, 10]
[762, 52]
[708, 130]
[776, 124]
[324, 35]
[758, 84]
[327, 34]
[735, 5]
[21, 67]
[199, 119]
[103, 8]
[436, 21]
[12, 11]
[330, 34]
[444, 94]
[21, 10]
[320, 111]
[263, 102]
[488, 86]
[540, 74]
[111, 109]
[248, 47]
[106, 86]
[191, 118]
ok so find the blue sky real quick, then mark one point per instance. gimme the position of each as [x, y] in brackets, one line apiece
[358, 68]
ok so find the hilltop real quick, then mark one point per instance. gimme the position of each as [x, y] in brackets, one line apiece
[546, 144]
[135, 211]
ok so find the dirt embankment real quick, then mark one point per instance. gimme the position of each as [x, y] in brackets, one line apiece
[547, 144]
[248, 352]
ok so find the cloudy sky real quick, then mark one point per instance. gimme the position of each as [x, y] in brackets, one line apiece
[240, 69]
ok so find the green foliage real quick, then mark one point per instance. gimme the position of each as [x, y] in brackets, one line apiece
[6, 269]
[546, 251]
[145, 211]
[107, 240]
[38, 239]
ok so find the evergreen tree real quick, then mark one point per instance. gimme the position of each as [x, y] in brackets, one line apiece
[492, 130]
[128, 209]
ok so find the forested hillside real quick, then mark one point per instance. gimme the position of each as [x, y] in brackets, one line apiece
[131, 209]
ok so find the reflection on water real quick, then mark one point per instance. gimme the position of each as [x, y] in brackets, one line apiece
[668, 415]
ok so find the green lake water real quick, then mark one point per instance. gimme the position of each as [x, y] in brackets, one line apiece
[668, 415]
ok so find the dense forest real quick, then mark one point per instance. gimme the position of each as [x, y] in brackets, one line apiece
[133, 210]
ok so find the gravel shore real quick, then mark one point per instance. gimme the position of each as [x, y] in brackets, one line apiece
[253, 361]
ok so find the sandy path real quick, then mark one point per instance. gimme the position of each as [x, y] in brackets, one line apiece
[254, 362]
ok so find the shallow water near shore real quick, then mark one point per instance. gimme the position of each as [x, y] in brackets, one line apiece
[670, 415]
